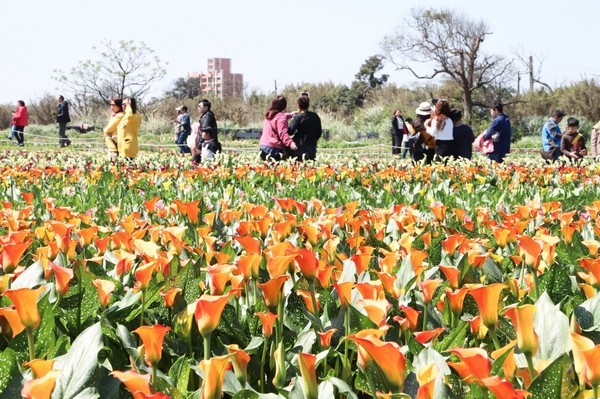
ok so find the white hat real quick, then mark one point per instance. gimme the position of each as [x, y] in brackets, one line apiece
[424, 109]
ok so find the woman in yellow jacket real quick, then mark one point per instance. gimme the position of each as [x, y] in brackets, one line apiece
[127, 130]
[110, 131]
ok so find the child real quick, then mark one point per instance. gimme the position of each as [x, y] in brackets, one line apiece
[210, 146]
[572, 143]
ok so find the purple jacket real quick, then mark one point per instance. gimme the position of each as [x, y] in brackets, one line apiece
[275, 132]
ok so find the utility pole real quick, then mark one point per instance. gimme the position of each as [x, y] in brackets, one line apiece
[530, 73]
[275, 81]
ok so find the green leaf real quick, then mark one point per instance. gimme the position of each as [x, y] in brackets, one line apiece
[455, 338]
[548, 384]
[180, 374]
[251, 394]
[552, 329]
[9, 368]
[79, 367]
[556, 283]
[588, 317]
[342, 387]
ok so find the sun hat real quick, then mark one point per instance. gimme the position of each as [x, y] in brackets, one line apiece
[179, 108]
[424, 109]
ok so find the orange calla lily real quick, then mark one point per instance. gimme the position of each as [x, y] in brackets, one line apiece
[439, 210]
[152, 337]
[429, 335]
[411, 319]
[105, 288]
[12, 254]
[25, 302]
[387, 357]
[156, 395]
[522, 318]
[530, 251]
[248, 265]
[214, 374]
[452, 274]
[267, 320]
[40, 367]
[325, 337]
[63, 277]
[308, 263]
[487, 298]
[307, 363]
[240, 360]
[273, 291]
[307, 298]
[502, 388]
[279, 265]
[134, 381]
[170, 295]
[370, 289]
[14, 322]
[426, 376]
[428, 288]
[208, 312]
[143, 275]
[475, 364]
[456, 299]
[40, 388]
[249, 243]
[344, 291]
[376, 310]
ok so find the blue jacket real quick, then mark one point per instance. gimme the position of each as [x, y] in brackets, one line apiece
[500, 124]
[551, 136]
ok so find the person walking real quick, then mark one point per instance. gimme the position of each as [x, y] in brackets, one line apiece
[463, 136]
[62, 118]
[305, 127]
[128, 128]
[184, 129]
[110, 131]
[19, 121]
[421, 143]
[551, 136]
[595, 141]
[440, 126]
[500, 132]
[208, 123]
[398, 131]
[275, 140]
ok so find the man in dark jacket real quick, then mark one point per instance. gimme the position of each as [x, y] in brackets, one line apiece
[208, 123]
[306, 130]
[62, 117]
[500, 133]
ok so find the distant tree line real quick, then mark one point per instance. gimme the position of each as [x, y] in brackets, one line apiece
[442, 49]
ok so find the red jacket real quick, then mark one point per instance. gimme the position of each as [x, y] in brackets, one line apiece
[20, 116]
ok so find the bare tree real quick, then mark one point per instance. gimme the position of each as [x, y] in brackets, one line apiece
[534, 74]
[451, 44]
[122, 69]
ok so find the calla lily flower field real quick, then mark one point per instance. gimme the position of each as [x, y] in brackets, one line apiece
[348, 278]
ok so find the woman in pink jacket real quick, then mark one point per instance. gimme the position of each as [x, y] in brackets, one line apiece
[275, 139]
[20, 121]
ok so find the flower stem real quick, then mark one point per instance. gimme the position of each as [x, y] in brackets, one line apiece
[31, 343]
[313, 297]
[143, 307]
[263, 358]
[530, 365]
[535, 284]
[345, 360]
[595, 388]
[494, 338]
[425, 318]
[207, 347]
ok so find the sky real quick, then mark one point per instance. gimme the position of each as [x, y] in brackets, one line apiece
[290, 42]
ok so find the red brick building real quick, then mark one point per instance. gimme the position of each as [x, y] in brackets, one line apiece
[218, 81]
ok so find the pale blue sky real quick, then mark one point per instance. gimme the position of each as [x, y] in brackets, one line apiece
[290, 41]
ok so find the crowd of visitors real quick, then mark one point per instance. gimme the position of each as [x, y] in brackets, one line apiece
[436, 133]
